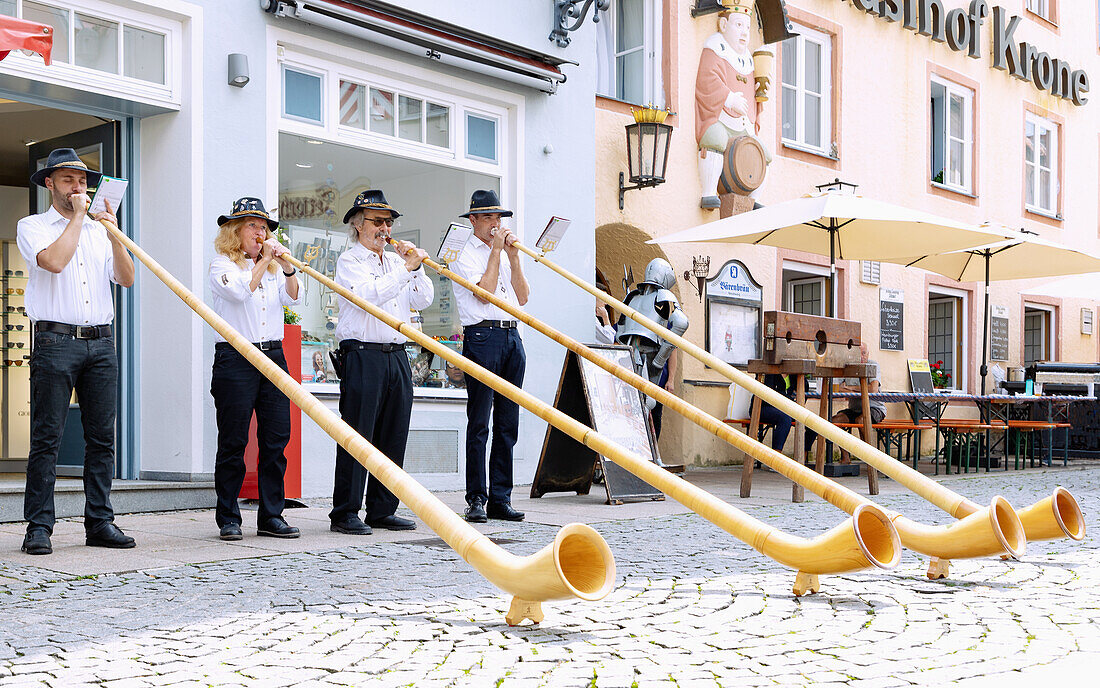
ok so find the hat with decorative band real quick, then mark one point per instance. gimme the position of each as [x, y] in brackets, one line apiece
[739, 6]
[371, 198]
[485, 201]
[248, 207]
[64, 159]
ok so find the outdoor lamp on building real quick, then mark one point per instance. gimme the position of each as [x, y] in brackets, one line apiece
[646, 150]
[700, 269]
[238, 69]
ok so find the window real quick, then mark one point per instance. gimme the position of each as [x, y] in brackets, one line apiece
[807, 91]
[481, 138]
[415, 120]
[870, 272]
[92, 42]
[628, 47]
[952, 118]
[302, 95]
[1041, 8]
[806, 296]
[318, 181]
[944, 338]
[1041, 184]
[1038, 335]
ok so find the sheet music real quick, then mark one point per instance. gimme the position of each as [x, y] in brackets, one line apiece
[110, 189]
[454, 240]
[555, 230]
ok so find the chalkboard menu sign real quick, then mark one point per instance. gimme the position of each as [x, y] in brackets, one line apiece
[998, 333]
[891, 332]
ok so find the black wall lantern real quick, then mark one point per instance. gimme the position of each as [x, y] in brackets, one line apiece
[646, 150]
[700, 268]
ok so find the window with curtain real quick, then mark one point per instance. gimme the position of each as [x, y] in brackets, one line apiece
[952, 117]
[1040, 7]
[628, 47]
[1041, 183]
[807, 98]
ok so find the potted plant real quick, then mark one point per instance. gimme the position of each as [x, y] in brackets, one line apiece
[940, 378]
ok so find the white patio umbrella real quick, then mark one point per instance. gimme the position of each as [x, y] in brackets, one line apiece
[1020, 256]
[840, 225]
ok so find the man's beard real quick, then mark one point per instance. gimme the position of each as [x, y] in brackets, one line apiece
[62, 200]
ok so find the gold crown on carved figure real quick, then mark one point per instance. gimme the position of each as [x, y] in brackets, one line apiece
[739, 6]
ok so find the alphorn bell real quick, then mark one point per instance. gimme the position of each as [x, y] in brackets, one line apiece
[578, 563]
[866, 539]
[1041, 516]
[974, 537]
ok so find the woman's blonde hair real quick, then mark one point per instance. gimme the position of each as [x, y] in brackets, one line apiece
[228, 242]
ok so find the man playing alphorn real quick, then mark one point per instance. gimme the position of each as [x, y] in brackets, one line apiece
[376, 390]
[490, 339]
[72, 261]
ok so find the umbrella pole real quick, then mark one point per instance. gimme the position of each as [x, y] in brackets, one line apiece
[984, 370]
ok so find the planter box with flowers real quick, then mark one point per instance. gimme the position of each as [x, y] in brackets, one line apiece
[941, 379]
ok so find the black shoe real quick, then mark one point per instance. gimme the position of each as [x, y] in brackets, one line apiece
[108, 535]
[37, 541]
[231, 531]
[392, 522]
[351, 525]
[504, 512]
[277, 527]
[475, 512]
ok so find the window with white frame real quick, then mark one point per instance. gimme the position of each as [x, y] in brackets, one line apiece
[104, 48]
[345, 128]
[1040, 7]
[807, 97]
[628, 47]
[1038, 334]
[945, 342]
[1041, 182]
[952, 123]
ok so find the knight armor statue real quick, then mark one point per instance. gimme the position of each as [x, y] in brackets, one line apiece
[653, 298]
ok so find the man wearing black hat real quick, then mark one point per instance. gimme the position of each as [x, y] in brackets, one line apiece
[72, 261]
[376, 390]
[490, 339]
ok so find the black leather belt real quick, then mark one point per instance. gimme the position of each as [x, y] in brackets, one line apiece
[77, 331]
[355, 344]
[269, 345]
[499, 324]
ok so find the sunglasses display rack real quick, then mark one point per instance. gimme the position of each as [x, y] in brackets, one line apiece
[15, 354]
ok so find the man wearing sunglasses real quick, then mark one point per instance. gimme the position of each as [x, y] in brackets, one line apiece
[376, 390]
[72, 261]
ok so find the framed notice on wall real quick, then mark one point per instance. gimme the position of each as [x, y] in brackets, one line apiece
[733, 314]
[998, 333]
[891, 320]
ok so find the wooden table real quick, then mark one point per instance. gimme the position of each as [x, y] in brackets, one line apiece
[800, 369]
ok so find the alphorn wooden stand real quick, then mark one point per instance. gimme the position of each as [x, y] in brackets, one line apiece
[800, 368]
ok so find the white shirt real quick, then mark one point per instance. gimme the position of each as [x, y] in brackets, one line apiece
[257, 315]
[81, 293]
[471, 265]
[384, 282]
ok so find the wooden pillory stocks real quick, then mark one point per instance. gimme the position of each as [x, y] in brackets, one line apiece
[800, 345]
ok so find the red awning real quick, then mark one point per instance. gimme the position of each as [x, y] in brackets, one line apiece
[17, 34]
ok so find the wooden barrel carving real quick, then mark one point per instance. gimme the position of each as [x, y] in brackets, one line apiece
[743, 166]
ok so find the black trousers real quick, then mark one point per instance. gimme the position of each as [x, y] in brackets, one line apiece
[239, 390]
[501, 352]
[61, 363]
[376, 395]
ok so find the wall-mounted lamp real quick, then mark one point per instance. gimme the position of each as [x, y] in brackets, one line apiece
[646, 150]
[837, 185]
[238, 69]
[700, 268]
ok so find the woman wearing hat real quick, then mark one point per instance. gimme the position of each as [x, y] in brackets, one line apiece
[251, 281]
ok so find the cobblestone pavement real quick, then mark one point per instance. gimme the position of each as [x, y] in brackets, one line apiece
[691, 607]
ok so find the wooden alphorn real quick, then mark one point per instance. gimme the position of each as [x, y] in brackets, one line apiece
[976, 537]
[1059, 513]
[866, 539]
[578, 563]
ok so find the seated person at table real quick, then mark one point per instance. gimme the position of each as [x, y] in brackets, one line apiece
[854, 412]
[769, 415]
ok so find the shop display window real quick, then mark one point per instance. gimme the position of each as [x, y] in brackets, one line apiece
[318, 182]
[15, 354]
